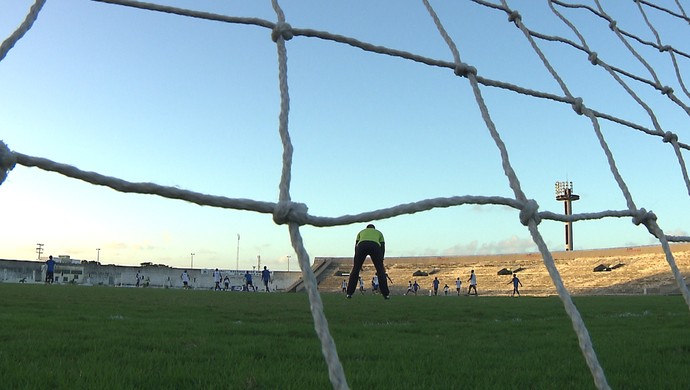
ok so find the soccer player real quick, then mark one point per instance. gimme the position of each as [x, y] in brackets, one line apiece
[138, 278]
[50, 270]
[445, 289]
[415, 287]
[473, 283]
[515, 282]
[361, 285]
[226, 283]
[458, 285]
[266, 277]
[344, 286]
[436, 282]
[248, 281]
[409, 287]
[185, 279]
[369, 242]
[216, 279]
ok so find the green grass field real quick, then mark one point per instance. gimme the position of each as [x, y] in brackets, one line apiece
[99, 337]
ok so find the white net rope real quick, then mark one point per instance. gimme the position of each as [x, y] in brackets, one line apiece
[294, 214]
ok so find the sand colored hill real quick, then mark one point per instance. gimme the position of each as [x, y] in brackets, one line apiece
[634, 270]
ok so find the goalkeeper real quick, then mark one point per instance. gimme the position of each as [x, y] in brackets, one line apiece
[369, 242]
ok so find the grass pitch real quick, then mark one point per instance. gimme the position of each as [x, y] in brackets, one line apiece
[123, 338]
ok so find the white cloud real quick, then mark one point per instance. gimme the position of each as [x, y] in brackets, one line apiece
[511, 244]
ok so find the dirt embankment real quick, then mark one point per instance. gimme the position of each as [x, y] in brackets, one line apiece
[634, 270]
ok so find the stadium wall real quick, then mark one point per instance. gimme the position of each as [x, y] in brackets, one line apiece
[91, 273]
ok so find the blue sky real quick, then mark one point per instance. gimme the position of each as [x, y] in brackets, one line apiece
[151, 97]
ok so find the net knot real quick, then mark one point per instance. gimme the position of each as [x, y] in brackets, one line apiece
[514, 16]
[7, 161]
[286, 211]
[282, 30]
[612, 25]
[593, 58]
[578, 106]
[529, 212]
[643, 216]
[666, 90]
[462, 69]
[665, 48]
[670, 137]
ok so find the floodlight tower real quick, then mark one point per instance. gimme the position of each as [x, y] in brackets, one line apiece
[564, 193]
[237, 259]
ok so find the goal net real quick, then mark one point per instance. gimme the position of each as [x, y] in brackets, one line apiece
[522, 91]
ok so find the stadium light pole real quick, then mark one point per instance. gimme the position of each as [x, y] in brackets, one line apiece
[288, 257]
[564, 193]
[98, 255]
[39, 250]
[191, 265]
[237, 259]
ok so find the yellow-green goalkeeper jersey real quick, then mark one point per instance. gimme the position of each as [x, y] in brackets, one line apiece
[370, 234]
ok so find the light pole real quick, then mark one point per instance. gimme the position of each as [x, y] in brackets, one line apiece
[192, 263]
[288, 263]
[39, 250]
[564, 193]
[237, 259]
[98, 255]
